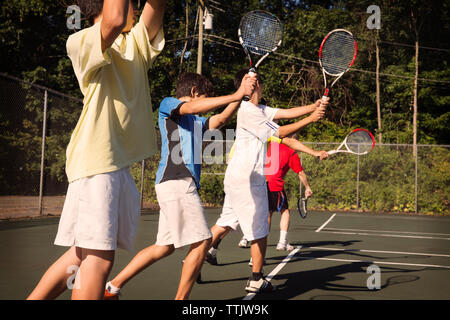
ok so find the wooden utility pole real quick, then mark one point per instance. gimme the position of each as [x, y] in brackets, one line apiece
[380, 135]
[416, 78]
[200, 37]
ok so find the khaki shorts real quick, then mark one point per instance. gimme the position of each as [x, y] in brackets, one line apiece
[100, 212]
[247, 207]
[181, 217]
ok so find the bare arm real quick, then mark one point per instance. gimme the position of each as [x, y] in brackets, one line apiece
[152, 16]
[288, 129]
[300, 147]
[297, 112]
[114, 19]
[302, 177]
[218, 120]
[204, 105]
[293, 113]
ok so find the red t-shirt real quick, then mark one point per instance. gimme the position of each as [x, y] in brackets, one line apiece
[278, 161]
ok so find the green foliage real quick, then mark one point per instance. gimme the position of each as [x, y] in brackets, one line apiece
[33, 35]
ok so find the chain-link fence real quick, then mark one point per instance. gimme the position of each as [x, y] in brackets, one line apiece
[36, 124]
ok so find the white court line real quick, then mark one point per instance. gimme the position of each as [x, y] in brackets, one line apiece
[395, 231]
[379, 262]
[381, 251]
[269, 277]
[385, 235]
[323, 226]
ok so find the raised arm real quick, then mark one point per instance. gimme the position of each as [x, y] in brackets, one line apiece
[152, 16]
[218, 120]
[300, 147]
[288, 129]
[297, 112]
[204, 105]
[114, 19]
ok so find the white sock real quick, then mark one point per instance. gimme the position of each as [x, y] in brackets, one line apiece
[212, 251]
[283, 236]
[111, 288]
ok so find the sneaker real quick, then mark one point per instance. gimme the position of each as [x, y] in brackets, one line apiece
[243, 243]
[262, 285]
[284, 246]
[110, 296]
[211, 259]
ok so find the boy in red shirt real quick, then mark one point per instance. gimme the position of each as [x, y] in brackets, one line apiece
[280, 158]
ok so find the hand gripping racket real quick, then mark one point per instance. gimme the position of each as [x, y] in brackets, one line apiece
[302, 207]
[260, 33]
[336, 55]
[359, 141]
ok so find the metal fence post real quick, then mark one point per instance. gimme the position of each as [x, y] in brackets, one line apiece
[44, 129]
[357, 182]
[300, 183]
[415, 179]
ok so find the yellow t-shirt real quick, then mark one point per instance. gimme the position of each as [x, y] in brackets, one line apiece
[116, 126]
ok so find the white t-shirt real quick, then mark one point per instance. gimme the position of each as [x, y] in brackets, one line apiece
[254, 126]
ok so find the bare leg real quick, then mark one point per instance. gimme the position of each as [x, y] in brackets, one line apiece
[54, 281]
[191, 268]
[218, 232]
[284, 221]
[91, 277]
[270, 219]
[258, 252]
[141, 261]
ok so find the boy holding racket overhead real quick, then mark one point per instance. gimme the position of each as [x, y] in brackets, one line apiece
[279, 159]
[181, 220]
[102, 208]
[245, 201]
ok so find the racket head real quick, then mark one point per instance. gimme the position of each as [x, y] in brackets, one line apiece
[260, 32]
[337, 52]
[360, 141]
[302, 207]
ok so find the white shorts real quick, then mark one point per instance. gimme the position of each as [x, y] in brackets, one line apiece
[100, 212]
[247, 207]
[181, 217]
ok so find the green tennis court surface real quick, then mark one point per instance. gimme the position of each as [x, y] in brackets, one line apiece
[412, 254]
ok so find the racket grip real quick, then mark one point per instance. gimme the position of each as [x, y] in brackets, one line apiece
[331, 152]
[251, 73]
[325, 95]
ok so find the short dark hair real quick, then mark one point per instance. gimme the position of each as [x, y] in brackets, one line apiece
[240, 75]
[188, 80]
[91, 9]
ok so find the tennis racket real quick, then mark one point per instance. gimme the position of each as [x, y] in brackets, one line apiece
[302, 207]
[336, 55]
[260, 33]
[359, 141]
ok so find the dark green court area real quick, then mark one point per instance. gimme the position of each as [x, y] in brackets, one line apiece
[339, 256]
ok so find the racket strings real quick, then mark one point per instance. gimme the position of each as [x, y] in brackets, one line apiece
[261, 32]
[338, 52]
[359, 142]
